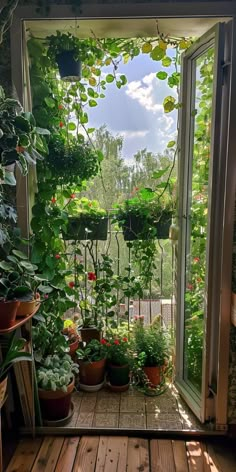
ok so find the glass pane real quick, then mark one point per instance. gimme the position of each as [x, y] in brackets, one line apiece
[197, 217]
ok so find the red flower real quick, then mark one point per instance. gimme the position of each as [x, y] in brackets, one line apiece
[125, 340]
[141, 317]
[60, 107]
[20, 149]
[92, 276]
[103, 341]
[71, 284]
[57, 256]
[196, 259]
[108, 344]
[190, 286]
[53, 200]
[72, 196]
[61, 124]
[116, 342]
[46, 296]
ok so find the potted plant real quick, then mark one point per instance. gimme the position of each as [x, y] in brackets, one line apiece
[86, 220]
[150, 344]
[92, 360]
[66, 51]
[13, 353]
[20, 140]
[71, 334]
[71, 161]
[118, 357]
[55, 378]
[18, 282]
[145, 216]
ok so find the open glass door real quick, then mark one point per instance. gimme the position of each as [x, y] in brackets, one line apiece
[199, 135]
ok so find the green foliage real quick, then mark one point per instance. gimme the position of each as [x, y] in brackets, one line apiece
[13, 353]
[150, 344]
[56, 372]
[118, 349]
[47, 336]
[92, 352]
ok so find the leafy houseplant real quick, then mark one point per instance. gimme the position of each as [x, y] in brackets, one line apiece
[71, 162]
[151, 348]
[14, 353]
[65, 50]
[21, 141]
[145, 216]
[55, 377]
[86, 220]
[91, 359]
[118, 356]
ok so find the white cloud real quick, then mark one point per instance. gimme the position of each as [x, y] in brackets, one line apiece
[134, 134]
[144, 92]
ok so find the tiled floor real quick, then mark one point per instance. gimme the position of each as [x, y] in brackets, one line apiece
[133, 410]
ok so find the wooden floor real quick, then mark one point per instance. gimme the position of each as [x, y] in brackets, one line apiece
[121, 454]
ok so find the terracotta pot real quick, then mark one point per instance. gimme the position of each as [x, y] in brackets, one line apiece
[55, 405]
[26, 308]
[3, 389]
[92, 373]
[118, 374]
[154, 375]
[73, 347]
[87, 334]
[8, 311]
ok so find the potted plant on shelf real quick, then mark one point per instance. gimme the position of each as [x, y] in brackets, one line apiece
[118, 357]
[150, 344]
[92, 361]
[145, 216]
[18, 282]
[71, 334]
[86, 220]
[55, 378]
[13, 353]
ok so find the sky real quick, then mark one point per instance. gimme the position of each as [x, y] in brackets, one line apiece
[135, 111]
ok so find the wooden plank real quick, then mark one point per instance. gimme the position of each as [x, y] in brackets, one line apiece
[112, 454]
[162, 457]
[180, 456]
[222, 457]
[138, 455]
[48, 454]
[67, 455]
[194, 455]
[86, 454]
[208, 464]
[25, 455]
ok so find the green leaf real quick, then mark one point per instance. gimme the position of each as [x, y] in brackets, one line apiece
[166, 61]
[169, 104]
[110, 78]
[50, 102]
[6, 266]
[100, 155]
[20, 254]
[92, 103]
[28, 266]
[159, 173]
[171, 144]
[162, 75]
[43, 131]
[90, 130]
[22, 123]
[9, 178]
[72, 126]
[157, 53]
[123, 79]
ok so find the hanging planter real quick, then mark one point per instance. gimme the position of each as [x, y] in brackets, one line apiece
[69, 67]
[87, 227]
[143, 228]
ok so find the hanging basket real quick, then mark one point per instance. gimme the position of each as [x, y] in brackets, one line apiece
[87, 228]
[69, 67]
[136, 227]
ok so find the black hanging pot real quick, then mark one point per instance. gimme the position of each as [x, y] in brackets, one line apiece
[69, 67]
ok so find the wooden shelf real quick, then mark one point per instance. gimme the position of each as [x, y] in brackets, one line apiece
[19, 322]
